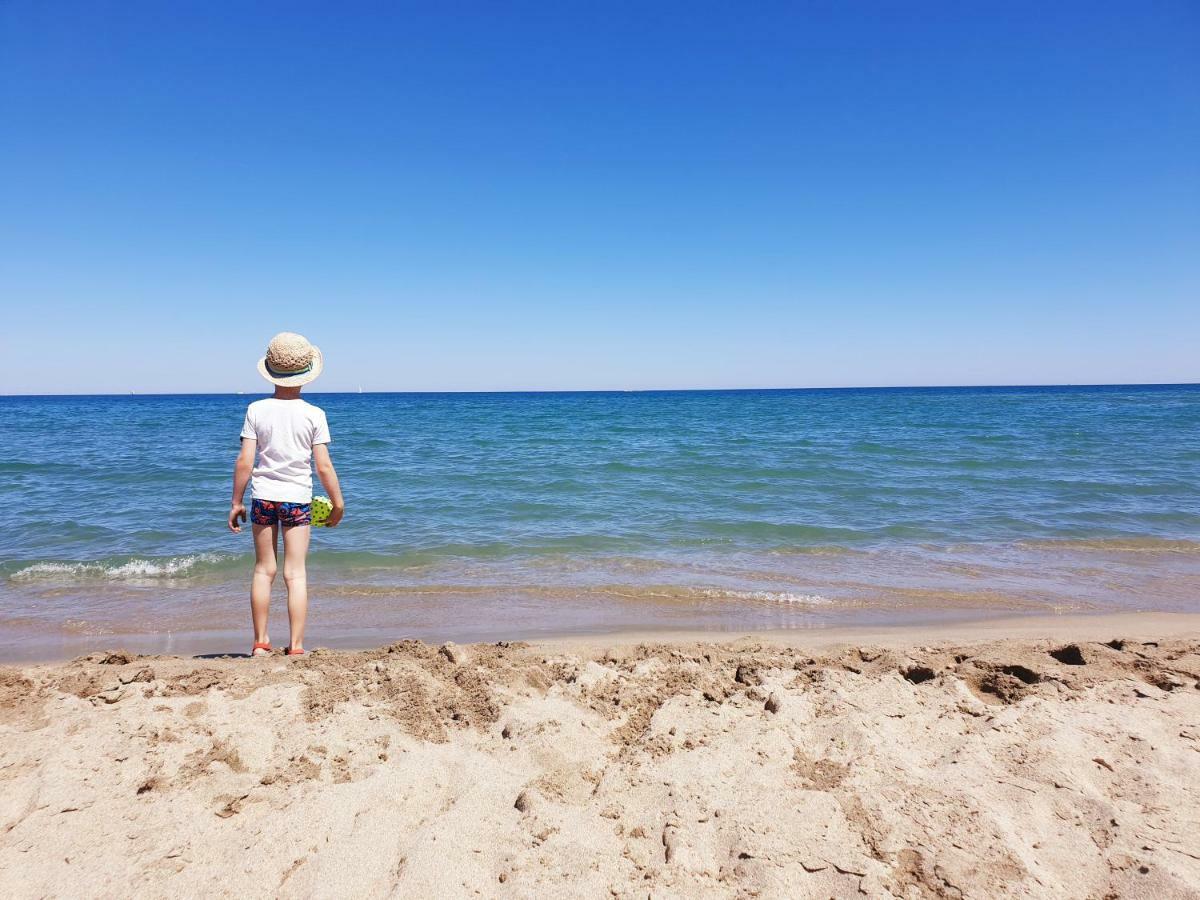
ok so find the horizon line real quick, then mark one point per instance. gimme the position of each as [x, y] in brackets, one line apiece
[698, 390]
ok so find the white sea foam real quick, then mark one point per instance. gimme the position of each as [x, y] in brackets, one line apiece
[768, 597]
[131, 570]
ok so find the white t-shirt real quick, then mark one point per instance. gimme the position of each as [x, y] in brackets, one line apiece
[286, 431]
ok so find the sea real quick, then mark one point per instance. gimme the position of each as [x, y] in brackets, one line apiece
[507, 516]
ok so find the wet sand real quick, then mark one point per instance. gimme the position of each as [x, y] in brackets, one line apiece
[1033, 757]
[197, 603]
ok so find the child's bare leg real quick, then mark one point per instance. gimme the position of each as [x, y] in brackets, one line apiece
[265, 542]
[295, 573]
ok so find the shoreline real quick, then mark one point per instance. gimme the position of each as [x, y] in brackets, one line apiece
[1070, 626]
[1029, 757]
[963, 626]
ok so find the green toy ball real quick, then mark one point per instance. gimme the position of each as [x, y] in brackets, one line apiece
[321, 508]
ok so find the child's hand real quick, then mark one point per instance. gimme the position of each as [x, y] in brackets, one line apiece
[335, 516]
[237, 515]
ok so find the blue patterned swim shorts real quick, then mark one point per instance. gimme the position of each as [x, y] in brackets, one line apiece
[276, 512]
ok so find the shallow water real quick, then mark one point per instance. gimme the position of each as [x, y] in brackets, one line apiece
[482, 516]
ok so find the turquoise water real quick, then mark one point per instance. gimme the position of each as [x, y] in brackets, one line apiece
[508, 515]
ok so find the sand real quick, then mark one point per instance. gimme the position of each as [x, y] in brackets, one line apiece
[980, 763]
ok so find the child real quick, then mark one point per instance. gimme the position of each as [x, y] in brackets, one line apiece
[286, 434]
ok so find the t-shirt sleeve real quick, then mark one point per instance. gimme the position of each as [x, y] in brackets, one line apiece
[321, 431]
[248, 430]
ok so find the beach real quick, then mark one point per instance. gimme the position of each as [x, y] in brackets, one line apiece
[886, 643]
[1034, 757]
[566, 450]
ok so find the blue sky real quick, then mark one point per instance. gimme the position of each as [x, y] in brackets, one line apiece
[562, 195]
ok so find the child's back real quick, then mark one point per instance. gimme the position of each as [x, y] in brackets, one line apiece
[286, 431]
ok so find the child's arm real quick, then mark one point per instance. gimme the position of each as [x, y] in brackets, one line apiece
[329, 478]
[242, 470]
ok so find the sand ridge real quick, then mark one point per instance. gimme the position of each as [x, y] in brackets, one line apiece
[746, 768]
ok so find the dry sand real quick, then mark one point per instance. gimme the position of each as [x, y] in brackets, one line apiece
[811, 766]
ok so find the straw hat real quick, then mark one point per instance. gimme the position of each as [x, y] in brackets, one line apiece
[291, 360]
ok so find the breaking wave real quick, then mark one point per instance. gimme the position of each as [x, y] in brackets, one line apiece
[134, 569]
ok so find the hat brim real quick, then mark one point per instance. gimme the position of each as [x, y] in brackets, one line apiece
[318, 365]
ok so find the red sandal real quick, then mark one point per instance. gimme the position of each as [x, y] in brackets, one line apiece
[257, 647]
[290, 652]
